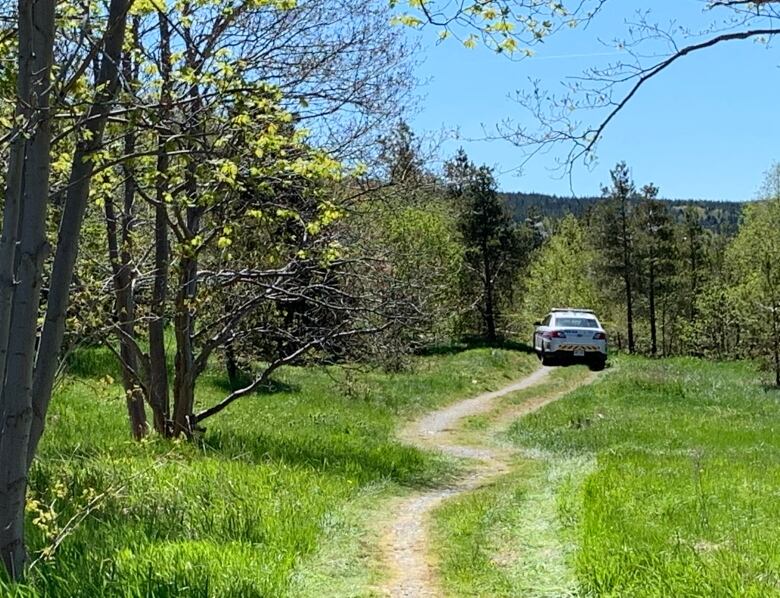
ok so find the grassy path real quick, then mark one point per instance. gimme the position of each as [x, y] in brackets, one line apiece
[268, 502]
[405, 545]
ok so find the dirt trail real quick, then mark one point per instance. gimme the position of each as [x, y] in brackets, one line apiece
[405, 544]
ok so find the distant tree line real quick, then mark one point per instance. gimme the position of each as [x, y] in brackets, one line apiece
[718, 216]
[667, 278]
[664, 284]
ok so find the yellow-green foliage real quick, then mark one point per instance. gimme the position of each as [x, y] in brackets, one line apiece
[751, 295]
[561, 274]
[754, 255]
[427, 253]
[421, 242]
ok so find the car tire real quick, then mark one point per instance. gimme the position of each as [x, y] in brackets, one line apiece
[548, 358]
[598, 363]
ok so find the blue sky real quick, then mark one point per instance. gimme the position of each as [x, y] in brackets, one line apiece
[707, 128]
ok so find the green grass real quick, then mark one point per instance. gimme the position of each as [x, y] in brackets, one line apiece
[662, 479]
[505, 539]
[684, 499]
[251, 506]
[560, 380]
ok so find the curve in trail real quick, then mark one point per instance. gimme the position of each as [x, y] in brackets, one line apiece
[405, 544]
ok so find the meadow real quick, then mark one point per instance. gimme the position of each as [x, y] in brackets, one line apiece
[239, 511]
[660, 479]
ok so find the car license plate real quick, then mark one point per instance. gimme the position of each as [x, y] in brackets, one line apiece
[579, 353]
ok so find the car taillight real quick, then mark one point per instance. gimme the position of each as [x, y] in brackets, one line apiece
[554, 334]
[600, 336]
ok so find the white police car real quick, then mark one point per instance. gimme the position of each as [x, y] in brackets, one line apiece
[568, 333]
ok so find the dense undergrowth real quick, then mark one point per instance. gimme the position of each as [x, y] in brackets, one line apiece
[234, 513]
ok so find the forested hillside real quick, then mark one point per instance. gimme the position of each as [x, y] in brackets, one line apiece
[717, 216]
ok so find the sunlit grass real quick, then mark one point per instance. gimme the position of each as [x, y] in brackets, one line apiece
[237, 512]
[506, 538]
[684, 498]
[659, 480]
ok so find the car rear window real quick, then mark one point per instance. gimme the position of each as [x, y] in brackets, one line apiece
[576, 322]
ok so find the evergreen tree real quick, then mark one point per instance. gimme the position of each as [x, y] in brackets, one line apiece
[655, 253]
[614, 238]
[458, 171]
[694, 255]
[494, 244]
[401, 156]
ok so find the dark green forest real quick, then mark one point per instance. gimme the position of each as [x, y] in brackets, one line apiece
[721, 217]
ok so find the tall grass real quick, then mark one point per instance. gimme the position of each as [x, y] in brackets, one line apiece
[234, 513]
[684, 497]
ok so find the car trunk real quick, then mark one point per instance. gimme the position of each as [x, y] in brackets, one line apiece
[578, 339]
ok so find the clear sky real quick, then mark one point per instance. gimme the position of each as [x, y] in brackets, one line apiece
[708, 127]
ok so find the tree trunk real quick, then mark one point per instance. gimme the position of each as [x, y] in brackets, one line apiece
[184, 319]
[694, 276]
[158, 366]
[184, 376]
[776, 346]
[36, 44]
[124, 300]
[775, 331]
[184, 324]
[120, 240]
[232, 368]
[73, 218]
[627, 272]
[664, 318]
[629, 315]
[490, 316]
[11, 214]
[653, 327]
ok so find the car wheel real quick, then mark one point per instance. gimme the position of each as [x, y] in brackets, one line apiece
[547, 358]
[598, 363]
[533, 345]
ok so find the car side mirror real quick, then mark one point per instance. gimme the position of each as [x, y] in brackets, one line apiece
[537, 323]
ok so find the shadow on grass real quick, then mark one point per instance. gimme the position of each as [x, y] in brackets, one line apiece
[272, 387]
[92, 362]
[473, 342]
[353, 456]
[574, 363]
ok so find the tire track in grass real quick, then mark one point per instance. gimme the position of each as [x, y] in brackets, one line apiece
[405, 543]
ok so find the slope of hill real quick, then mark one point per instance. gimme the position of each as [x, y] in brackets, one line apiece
[717, 216]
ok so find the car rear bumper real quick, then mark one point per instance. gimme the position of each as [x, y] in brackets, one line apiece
[568, 348]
